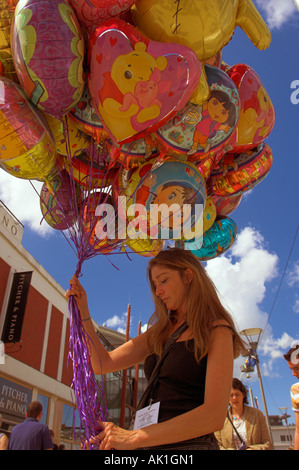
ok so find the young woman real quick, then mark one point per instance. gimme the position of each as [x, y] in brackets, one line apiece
[192, 405]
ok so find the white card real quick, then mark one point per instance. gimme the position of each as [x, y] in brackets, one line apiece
[147, 416]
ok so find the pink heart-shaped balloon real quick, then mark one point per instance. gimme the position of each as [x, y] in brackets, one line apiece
[138, 84]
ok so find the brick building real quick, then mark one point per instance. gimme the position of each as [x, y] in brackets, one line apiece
[34, 328]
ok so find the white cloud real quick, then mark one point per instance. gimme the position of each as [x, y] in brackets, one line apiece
[241, 277]
[296, 306]
[118, 323]
[23, 201]
[293, 276]
[293, 280]
[272, 349]
[276, 12]
[296, 3]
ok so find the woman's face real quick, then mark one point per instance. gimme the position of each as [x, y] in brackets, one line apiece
[171, 287]
[236, 398]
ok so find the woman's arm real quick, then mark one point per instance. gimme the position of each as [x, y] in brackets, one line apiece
[204, 419]
[103, 361]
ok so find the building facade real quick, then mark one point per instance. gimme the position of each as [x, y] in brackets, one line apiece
[34, 333]
[282, 432]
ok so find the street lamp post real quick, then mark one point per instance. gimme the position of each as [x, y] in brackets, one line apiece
[249, 388]
[253, 336]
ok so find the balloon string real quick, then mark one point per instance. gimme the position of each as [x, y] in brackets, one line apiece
[88, 393]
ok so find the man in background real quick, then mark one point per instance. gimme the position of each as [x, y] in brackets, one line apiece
[31, 434]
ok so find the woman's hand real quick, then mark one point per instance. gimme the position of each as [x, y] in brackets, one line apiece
[113, 437]
[79, 294]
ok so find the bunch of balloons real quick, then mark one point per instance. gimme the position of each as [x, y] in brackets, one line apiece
[121, 107]
[123, 104]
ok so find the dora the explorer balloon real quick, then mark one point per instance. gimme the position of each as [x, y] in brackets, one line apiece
[204, 26]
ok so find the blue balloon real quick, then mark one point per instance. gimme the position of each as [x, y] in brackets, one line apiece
[215, 241]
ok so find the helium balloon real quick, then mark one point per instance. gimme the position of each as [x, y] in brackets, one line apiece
[56, 202]
[204, 26]
[27, 148]
[88, 172]
[6, 18]
[215, 241]
[7, 68]
[87, 118]
[68, 139]
[251, 168]
[48, 51]
[199, 131]
[226, 205]
[99, 228]
[144, 247]
[134, 153]
[93, 12]
[257, 116]
[209, 214]
[175, 186]
[137, 84]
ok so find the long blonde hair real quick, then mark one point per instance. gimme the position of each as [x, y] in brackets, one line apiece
[203, 305]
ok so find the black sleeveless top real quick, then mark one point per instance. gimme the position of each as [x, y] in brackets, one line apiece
[181, 384]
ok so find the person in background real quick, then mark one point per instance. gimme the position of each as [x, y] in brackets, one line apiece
[292, 358]
[31, 434]
[3, 438]
[245, 427]
[190, 404]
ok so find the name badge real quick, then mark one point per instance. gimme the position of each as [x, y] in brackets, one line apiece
[147, 416]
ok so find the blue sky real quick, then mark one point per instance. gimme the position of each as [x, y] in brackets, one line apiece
[258, 278]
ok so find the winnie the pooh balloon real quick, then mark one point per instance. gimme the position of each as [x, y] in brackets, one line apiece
[204, 26]
[137, 84]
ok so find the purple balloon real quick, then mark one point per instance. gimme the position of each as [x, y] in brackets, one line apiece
[48, 51]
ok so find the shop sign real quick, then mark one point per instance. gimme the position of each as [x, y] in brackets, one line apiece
[14, 398]
[16, 307]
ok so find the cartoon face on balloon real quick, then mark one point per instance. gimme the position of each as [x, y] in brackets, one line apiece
[172, 196]
[200, 130]
[204, 26]
[137, 84]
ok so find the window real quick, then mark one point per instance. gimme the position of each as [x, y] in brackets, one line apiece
[67, 426]
[44, 400]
